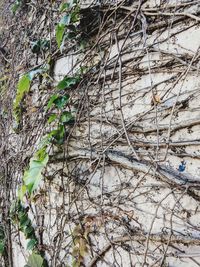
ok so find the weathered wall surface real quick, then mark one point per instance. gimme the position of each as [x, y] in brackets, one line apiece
[124, 190]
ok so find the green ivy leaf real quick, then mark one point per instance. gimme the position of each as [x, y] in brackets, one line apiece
[33, 175]
[61, 101]
[75, 14]
[28, 231]
[64, 7]
[57, 136]
[16, 6]
[2, 247]
[21, 192]
[24, 84]
[2, 234]
[40, 45]
[23, 219]
[52, 118]
[41, 153]
[23, 87]
[31, 244]
[35, 260]
[67, 82]
[60, 29]
[75, 263]
[51, 101]
[66, 117]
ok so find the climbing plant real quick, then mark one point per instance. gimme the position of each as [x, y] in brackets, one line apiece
[23, 88]
[59, 117]
[19, 216]
[117, 171]
[67, 28]
[2, 239]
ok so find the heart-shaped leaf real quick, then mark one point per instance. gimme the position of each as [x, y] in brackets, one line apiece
[33, 176]
[67, 82]
[66, 117]
[31, 244]
[35, 260]
[60, 29]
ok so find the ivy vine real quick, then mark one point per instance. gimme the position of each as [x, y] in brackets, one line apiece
[19, 216]
[59, 117]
